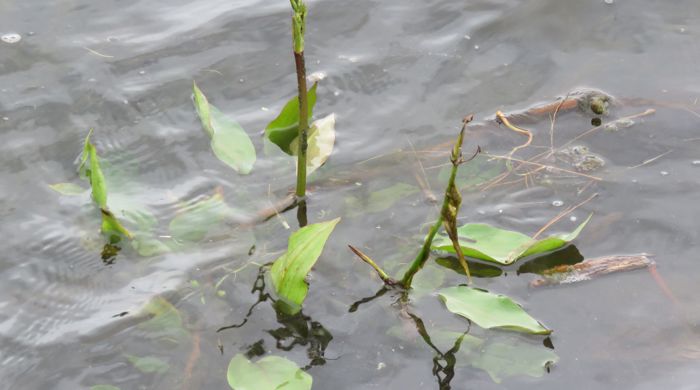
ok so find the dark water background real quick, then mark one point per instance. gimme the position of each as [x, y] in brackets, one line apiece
[397, 71]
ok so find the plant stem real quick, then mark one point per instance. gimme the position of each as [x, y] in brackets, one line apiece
[422, 256]
[380, 272]
[298, 28]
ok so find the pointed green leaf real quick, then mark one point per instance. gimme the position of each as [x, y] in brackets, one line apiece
[148, 364]
[112, 226]
[305, 246]
[229, 141]
[503, 246]
[84, 156]
[67, 188]
[490, 310]
[320, 143]
[285, 128]
[97, 178]
[268, 373]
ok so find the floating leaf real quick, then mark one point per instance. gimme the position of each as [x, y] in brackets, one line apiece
[320, 143]
[268, 373]
[229, 141]
[148, 364]
[165, 321]
[97, 178]
[503, 246]
[490, 310]
[193, 223]
[288, 271]
[502, 360]
[285, 128]
[67, 188]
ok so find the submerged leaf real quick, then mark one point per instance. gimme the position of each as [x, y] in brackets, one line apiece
[490, 310]
[193, 223]
[288, 271]
[320, 143]
[67, 188]
[285, 128]
[165, 320]
[148, 364]
[502, 360]
[230, 143]
[112, 226]
[503, 246]
[268, 373]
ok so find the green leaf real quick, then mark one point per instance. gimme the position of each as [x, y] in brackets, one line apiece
[148, 364]
[84, 156]
[320, 143]
[503, 246]
[268, 373]
[193, 223]
[288, 271]
[67, 188]
[285, 128]
[97, 178]
[490, 310]
[112, 226]
[104, 387]
[229, 141]
[512, 358]
[165, 321]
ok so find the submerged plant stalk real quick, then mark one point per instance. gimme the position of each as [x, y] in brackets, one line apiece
[298, 27]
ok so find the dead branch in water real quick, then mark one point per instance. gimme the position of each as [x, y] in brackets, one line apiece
[589, 269]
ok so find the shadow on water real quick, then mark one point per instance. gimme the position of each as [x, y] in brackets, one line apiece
[296, 329]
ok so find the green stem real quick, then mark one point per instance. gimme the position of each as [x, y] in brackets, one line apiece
[303, 124]
[380, 272]
[422, 256]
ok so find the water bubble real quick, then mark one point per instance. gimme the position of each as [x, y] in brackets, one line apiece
[608, 1]
[573, 218]
[467, 37]
[5, 118]
[476, 47]
[11, 38]
[557, 203]
[664, 173]
[696, 163]
[264, 108]
[142, 72]
[241, 80]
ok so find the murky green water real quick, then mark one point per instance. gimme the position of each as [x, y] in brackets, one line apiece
[398, 74]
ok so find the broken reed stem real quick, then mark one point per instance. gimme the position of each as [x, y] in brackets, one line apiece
[450, 208]
[380, 272]
[298, 27]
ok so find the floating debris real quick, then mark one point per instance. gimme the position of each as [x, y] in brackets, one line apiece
[557, 203]
[589, 269]
[696, 163]
[11, 38]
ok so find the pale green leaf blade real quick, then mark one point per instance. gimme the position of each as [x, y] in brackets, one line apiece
[513, 358]
[320, 143]
[285, 128]
[97, 178]
[196, 220]
[84, 156]
[67, 189]
[201, 104]
[148, 364]
[230, 143]
[305, 247]
[268, 373]
[490, 310]
[554, 242]
[491, 244]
